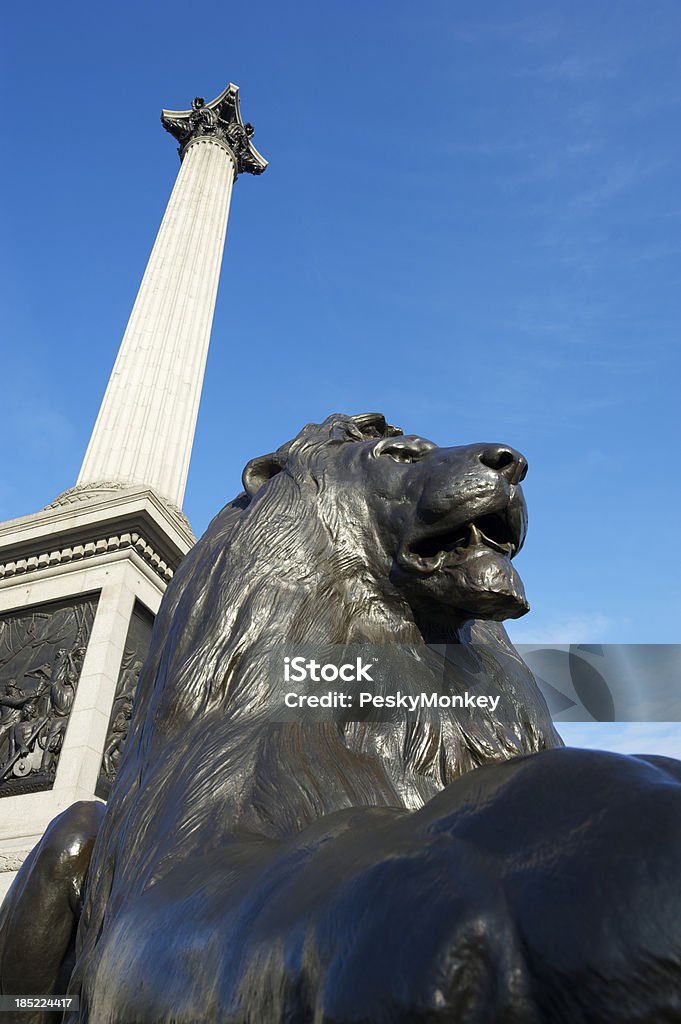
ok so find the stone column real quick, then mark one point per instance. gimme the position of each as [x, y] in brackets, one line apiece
[81, 581]
[145, 428]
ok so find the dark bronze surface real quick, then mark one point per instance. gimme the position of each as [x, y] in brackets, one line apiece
[219, 119]
[39, 916]
[466, 870]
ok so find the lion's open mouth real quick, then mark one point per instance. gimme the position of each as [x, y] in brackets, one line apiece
[494, 530]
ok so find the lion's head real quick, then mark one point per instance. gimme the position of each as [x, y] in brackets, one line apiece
[438, 526]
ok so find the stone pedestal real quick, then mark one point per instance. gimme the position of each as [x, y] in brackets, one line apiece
[85, 575]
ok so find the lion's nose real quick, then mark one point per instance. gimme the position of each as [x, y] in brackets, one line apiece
[506, 461]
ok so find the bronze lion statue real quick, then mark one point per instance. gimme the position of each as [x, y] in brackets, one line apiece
[459, 868]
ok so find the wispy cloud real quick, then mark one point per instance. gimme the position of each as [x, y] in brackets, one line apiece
[546, 165]
[536, 30]
[574, 68]
[616, 179]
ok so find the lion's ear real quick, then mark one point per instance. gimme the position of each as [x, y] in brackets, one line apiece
[258, 471]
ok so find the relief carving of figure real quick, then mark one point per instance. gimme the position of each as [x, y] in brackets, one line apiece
[118, 729]
[61, 691]
[128, 683]
[10, 714]
[23, 731]
[24, 736]
[117, 737]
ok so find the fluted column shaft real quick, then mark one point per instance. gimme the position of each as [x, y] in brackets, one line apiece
[145, 428]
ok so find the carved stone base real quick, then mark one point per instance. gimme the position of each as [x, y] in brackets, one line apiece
[113, 553]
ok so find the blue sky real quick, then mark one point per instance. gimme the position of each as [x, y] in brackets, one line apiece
[471, 222]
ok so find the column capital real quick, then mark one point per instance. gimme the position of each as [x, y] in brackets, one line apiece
[221, 119]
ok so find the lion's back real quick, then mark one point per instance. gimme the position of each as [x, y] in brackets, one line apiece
[512, 895]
